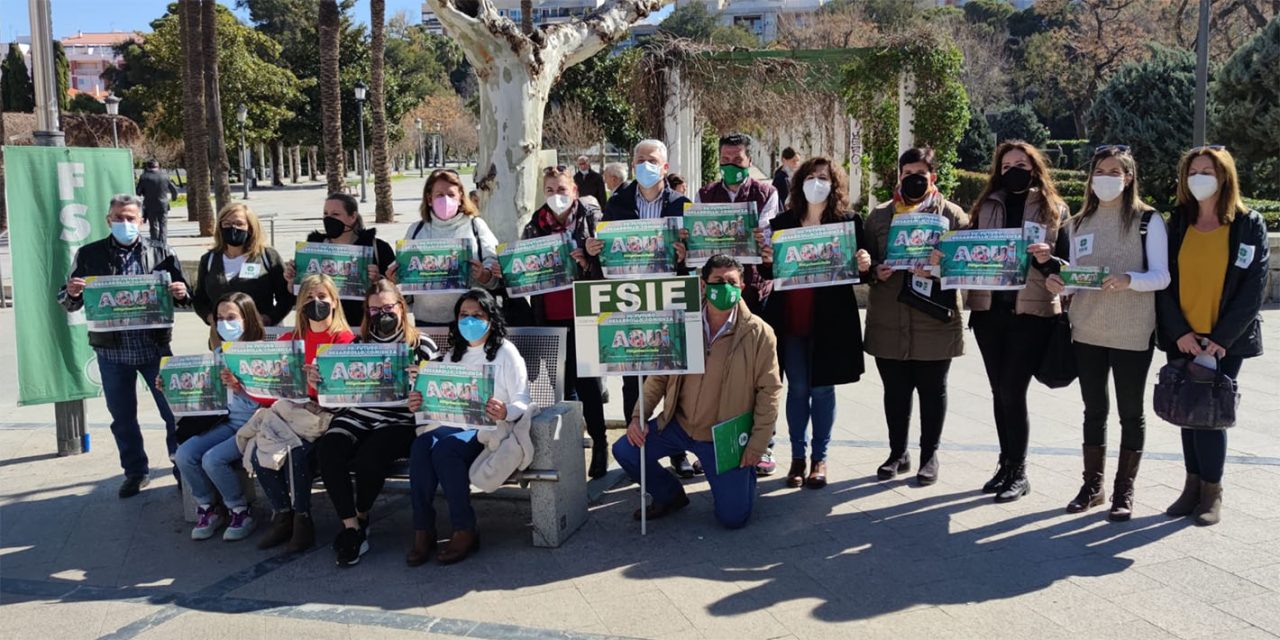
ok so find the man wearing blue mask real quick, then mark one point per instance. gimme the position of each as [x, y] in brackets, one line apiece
[124, 355]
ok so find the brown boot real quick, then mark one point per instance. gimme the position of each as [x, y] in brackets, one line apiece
[817, 476]
[1122, 493]
[279, 532]
[462, 544]
[1186, 503]
[795, 475]
[304, 534]
[1209, 511]
[1091, 492]
[424, 542]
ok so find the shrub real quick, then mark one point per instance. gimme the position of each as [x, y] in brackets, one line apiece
[1270, 210]
[1019, 122]
[969, 185]
[976, 146]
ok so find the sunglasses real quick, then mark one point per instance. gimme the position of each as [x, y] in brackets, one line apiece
[1209, 147]
[440, 171]
[1118, 148]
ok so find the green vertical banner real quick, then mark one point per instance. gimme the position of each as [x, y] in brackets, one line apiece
[57, 199]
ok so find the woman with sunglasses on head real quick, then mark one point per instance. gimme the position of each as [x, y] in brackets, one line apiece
[365, 441]
[343, 224]
[1212, 306]
[240, 260]
[447, 213]
[1113, 327]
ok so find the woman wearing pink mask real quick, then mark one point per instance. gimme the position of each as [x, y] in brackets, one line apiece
[448, 213]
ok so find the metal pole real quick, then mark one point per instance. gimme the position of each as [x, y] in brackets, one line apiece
[115, 134]
[360, 117]
[244, 163]
[644, 480]
[1202, 76]
[422, 159]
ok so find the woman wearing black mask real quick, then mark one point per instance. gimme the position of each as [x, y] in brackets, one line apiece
[1012, 327]
[367, 440]
[343, 224]
[240, 260]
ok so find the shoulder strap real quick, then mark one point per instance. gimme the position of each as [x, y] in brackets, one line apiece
[208, 262]
[475, 231]
[1142, 234]
[416, 229]
[266, 259]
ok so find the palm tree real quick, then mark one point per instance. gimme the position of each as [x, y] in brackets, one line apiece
[217, 140]
[331, 97]
[377, 95]
[526, 16]
[195, 138]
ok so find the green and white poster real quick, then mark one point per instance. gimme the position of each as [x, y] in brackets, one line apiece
[1084, 277]
[128, 303]
[642, 342]
[912, 238]
[268, 369]
[434, 266]
[347, 264]
[730, 439]
[990, 259]
[603, 307]
[636, 248]
[193, 385]
[716, 229]
[57, 201]
[455, 394]
[818, 256]
[363, 375]
[537, 265]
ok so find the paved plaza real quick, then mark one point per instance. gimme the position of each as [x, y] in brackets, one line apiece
[859, 559]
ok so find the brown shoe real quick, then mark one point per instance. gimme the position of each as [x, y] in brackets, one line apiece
[304, 534]
[462, 544]
[1209, 512]
[795, 475]
[1188, 500]
[817, 476]
[424, 542]
[280, 530]
[657, 511]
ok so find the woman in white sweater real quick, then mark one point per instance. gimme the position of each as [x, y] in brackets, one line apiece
[442, 456]
[446, 214]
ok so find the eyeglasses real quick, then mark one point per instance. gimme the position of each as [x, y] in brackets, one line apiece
[1209, 147]
[391, 308]
[440, 171]
[1118, 148]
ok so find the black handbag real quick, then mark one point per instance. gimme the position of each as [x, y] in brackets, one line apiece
[1058, 367]
[939, 304]
[1192, 396]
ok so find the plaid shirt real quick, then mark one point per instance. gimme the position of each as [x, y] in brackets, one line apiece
[135, 347]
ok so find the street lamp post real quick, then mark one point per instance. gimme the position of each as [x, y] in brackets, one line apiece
[113, 110]
[422, 158]
[439, 146]
[360, 91]
[242, 112]
[1202, 78]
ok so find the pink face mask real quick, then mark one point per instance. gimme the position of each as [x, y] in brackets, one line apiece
[444, 207]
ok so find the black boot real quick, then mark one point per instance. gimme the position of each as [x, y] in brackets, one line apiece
[927, 474]
[1016, 484]
[599, 460]
[1002, 471]
[1091, 493]
[896, 464]
[1122, 495]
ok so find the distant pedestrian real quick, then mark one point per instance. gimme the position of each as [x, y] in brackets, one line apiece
[589, 182]
[156, 191]
[615, 175]
[782, 177]
[676, 183]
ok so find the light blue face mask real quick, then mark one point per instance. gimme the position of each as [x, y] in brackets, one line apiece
[473, 329]
[648, 174]
[230, 330]
[124, 232]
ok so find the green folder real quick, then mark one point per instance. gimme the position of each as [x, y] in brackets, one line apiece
[730, 439]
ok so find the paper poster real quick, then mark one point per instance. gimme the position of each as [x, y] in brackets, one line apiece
[455, 394]
[716, 229]
[656, 309]
[127, 303]
[637, 248]
[434, 266]
[730, 439]
[538, 265]
[643, 342]
[1084, 277]
[193, 385]
[817, 256]
[912, 238]
[990, 259]
[268, 369]
[363, 375]
[347, 264]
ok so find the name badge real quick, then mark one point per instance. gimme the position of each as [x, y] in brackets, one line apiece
[1084, 245]
[1244, 257]
[1034, 232]
[250, 270]
[922, 286]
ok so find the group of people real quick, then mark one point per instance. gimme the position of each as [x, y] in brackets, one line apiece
[1191, 286]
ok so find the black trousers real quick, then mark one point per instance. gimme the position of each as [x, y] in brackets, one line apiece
[370, 455]
[584, 390]
[158, 221]
[1204, 451]
[1012, 347]
[1129, 369]
[902, 379]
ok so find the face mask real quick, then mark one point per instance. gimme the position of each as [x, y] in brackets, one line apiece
[1108, 188]
[473, 329]
[230, 330]
[648, 174]
[444, 207]
[1202, 186]
[914, 186]
[386, 326]
[333, 227]
[124, 232]
[788, 169]
[723, 295]
[235, 236]
[317, 310]
[1016, 179]
[817, 190]
[733, 175]
[583, 171]
[559, 203]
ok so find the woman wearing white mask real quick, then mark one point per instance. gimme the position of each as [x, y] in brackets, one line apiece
[1212, 305]
[446, 214]
[1113, 327]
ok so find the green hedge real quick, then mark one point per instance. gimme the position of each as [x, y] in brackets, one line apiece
[1270, 210]
[969, 185]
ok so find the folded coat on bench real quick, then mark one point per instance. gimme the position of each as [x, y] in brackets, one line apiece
[508, 449]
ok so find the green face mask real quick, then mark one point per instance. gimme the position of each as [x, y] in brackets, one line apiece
[732, 174]
[723, 295]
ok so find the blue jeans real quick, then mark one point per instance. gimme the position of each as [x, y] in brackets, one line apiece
[276, 483]
[733, 492]
[806, 402]
[120, 388]
[208, 463]
[442, 457]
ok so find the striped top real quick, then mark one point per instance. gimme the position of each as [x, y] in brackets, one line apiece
[648, 210]
[357, 421]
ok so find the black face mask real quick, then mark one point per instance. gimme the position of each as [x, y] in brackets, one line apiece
[333, 227]
[234, 236]
[385, 327]
[1016, 179]
[317, 310]
[915, 186]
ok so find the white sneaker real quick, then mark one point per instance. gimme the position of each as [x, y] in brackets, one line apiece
[208, 519]
[241, 525]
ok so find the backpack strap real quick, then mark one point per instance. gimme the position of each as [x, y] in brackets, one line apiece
[1142, 234]
[416, 229]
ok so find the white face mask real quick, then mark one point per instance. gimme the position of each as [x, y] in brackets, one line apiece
[817, 190]
[1202, 186]
[1108, 188]
[559, 203]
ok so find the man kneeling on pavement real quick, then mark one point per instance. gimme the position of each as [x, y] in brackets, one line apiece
[741, 377]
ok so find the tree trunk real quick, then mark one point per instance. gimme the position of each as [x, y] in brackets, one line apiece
[331, 96]
[218, 164]
[512, 104]
[526, 16]
[295, 159]
[4, 211]
[311, 163]
[277, 164]
[195, 126]
[378, 101]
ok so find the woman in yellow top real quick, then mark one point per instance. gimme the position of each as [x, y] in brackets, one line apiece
[1218, 262]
